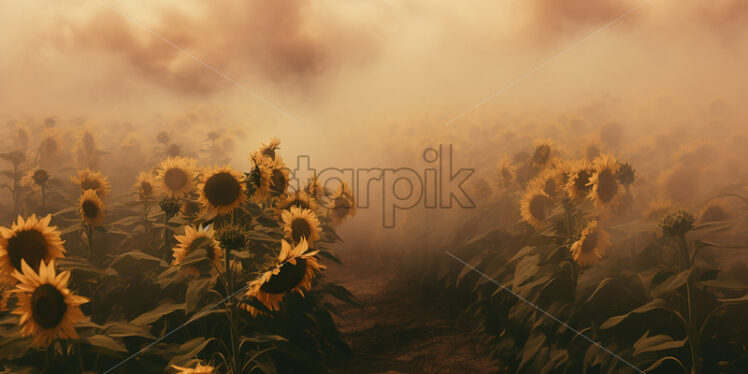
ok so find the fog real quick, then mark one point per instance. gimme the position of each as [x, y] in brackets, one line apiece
[373, 84]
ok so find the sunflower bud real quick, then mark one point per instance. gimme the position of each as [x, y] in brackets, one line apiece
[162, 137]
[625, 174]
[170, 207]
[677, 222]
[232, 237]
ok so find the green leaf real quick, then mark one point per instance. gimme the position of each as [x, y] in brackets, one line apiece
[599, 287]
[532, 346]
[122, 329]
[656, 343]
[154, 315]
[189, 350]
[105, 342]
[195, 291]
[671, 284]
[650, 306]
[526, 268]
[735, 300]
[659, 362]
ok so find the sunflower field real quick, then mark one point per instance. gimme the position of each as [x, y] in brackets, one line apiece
[196, 269]
[585, 268]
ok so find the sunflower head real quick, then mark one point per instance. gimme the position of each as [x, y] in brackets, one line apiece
[232, 237]
[506, 172]
[20, 136]
[88, 179]
[222, 190]
[162, 137]
[91, 208]
[677, 222]
[315, 189]
[280, 177]
[591, 245]
[47, 308]
[293, 271]
[270, 148]
[50, 144]
[199, 369]
[542, 155]
[173, 150]
[625, 174]
[259, 178]
[299, 223]
[657, 209]
[606, 192]
[577, 185]
[145, 186]
[35, 179]
[175, 176]
[31, 240]
[536, 207]
[549, 180]
[342, 204]
[299, 199]
[195, 239]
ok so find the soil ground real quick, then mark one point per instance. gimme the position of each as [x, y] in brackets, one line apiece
[399, 331]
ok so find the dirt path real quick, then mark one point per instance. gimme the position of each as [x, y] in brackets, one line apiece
[398, 331]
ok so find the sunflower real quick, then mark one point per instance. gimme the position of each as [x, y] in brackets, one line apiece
[606, 192]
[91, 208]
[280, 177]
[222, 190]
[293, 272]
[199, 369]
[343, 205]
[591, 245]
[549, 180]
[299, 199]
[36, 179]
[50, 146]
[144, 186]
[270, 148]
[198, 238]
[259, 179]
[535, 207]
[299, 223]
[176, 176]
[88, 179]
[577, 186]
[315, 189]
[47, 308]
[20, 137]
[506, 172]
[86, 154]
[31, 240]
[657, 209]
[543, 153]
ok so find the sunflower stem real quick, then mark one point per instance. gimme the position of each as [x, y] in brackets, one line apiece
[692, 329]
[89, 237]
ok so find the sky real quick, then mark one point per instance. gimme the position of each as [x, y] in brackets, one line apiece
[337, 71]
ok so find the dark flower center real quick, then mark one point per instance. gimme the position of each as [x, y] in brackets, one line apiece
[607, 186]
[300, 228]
[90, 209]
[589, 243]
[27, 245]
[288, 277]
[278, 182]
[342, 206]
[550, 186]
[539, 205]
[40, 177]
[581, 180]
[222, 189]
[146, 188]
[506, 174]
[48, 306]
[541, 154]
[175, 179]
